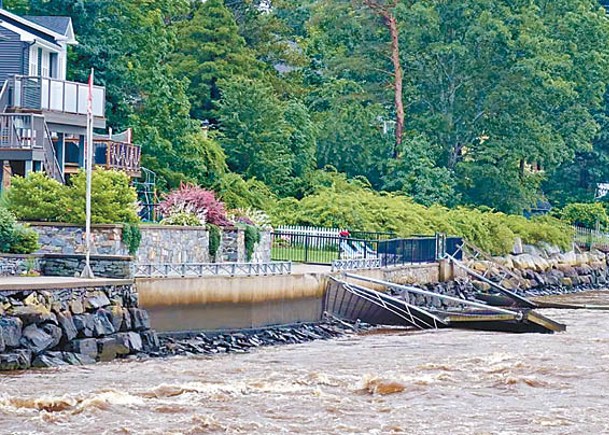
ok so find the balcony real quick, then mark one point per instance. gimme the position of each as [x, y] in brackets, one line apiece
[107, 153]
[56, 97]
[117, 155]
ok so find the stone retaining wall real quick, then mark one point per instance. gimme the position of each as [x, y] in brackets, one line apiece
[160, 244]
[103, 266]
[60, 238]
[71, 326]
[232, 246]
[173, 244]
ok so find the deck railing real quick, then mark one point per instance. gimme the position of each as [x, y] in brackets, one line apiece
[43, 93]
[118, 155]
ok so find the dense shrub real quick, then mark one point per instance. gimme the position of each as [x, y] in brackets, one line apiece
[352, 205]
[195, 200]
[39, 198]
[7, 227]
[215, 236]
[113, 200]
[24, 240]
[132, 237]
[251, 238]
[16, 238]
[183, 218]
[586, 215]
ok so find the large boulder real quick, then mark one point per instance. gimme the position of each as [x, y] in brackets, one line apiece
[150, 341]
[49, 359]
[11, 328]
[84, 346]
[109, 348]
[85, 325]
[103, 323]
[35, 339]
[140, 320]
[33, 314]
[96, 300]
[18, 360]
[130, 340]
[67, 325]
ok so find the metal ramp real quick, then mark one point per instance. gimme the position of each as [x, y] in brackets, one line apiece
[351, 301]
[494, 273]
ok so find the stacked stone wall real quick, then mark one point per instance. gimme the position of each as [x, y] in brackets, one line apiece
[160, 244]
[168, 244]
[43, 328]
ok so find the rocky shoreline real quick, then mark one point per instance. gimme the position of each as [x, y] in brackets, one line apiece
[71, 326]
[532, 275]
[246, 340]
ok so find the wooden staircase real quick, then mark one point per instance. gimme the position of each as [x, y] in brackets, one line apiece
[29, 133]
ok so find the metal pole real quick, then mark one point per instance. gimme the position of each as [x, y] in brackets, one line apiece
[87, 272]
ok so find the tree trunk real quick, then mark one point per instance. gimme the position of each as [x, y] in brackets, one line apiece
[397, 81]
[385, 10]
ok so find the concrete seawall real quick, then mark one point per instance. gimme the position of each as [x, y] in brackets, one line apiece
[190, 304]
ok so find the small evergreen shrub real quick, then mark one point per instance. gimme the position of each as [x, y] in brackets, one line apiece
[40, 198]
[24, 240]
[251, 238]
[7, 229]
[215, 236]
[132, 237]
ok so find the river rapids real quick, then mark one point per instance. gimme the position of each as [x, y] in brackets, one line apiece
[386, 381]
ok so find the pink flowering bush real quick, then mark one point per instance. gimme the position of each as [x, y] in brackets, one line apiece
[194, 200]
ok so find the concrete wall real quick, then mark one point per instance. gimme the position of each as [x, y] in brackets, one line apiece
[186, 304]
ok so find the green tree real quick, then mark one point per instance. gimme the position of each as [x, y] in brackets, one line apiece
[209, 50]
[255, 135]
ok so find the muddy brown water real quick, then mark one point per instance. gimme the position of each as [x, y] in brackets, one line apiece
[436, 382]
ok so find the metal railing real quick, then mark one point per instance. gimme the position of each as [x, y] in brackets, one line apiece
[356, 264]
[589, 239]
[43, 93]
[325, 249]
[199, 270]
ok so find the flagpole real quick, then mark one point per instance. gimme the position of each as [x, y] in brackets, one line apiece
[87, 271]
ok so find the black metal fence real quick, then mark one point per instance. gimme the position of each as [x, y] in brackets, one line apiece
[324, 249]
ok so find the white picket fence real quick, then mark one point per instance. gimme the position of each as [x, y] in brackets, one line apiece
[311, 231]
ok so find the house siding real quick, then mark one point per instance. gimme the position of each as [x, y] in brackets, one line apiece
[11, 54]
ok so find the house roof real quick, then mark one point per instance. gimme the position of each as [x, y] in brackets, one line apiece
[54, 29]
[59, 25]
